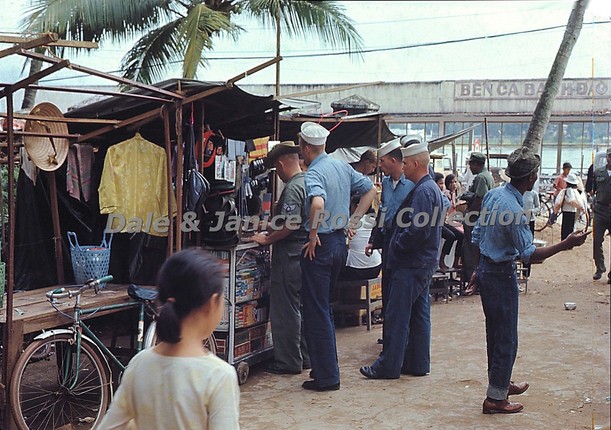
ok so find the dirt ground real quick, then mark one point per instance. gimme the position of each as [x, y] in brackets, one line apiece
[564, 355]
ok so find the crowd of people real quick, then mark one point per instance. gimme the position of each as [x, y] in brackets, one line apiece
[308, 261]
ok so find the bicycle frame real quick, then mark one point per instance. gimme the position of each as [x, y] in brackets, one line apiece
[79, 329]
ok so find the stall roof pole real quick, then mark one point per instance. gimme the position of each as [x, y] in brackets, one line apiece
[179, 174]
[9, 354]
[99, 74]
[35, 77]
[44, 40]
[168, 156]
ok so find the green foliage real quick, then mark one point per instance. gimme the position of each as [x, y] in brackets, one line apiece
[183, 30]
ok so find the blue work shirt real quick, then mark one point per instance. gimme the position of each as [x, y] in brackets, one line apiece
[334, 181]
[393, 197]
[415, 242]
[497, 238]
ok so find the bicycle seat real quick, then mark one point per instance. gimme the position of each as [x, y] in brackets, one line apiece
[137, 292]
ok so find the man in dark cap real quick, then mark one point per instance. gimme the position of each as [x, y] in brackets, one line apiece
[499, 244]
[288, 237]
[482, 183]
[601, 187]
[560, 181]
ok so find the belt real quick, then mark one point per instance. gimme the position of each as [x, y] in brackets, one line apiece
[499, 263]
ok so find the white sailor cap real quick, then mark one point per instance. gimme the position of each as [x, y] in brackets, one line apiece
[314, 134]
[410, 139]
[389, 147]
[415, 149]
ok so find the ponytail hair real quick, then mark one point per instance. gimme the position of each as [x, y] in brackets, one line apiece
[187, 280]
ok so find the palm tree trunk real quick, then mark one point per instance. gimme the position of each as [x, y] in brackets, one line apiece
[543, 111]
[29, 97]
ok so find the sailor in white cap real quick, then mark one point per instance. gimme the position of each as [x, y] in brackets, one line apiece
[412, 258]
[328, 183]
[395, 187]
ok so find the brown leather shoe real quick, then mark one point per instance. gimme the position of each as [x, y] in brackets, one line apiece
[516, 389]
[501, 407]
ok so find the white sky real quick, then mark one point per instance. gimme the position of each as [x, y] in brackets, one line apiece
[382, 25]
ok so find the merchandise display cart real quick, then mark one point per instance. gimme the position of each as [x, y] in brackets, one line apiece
[244, 335]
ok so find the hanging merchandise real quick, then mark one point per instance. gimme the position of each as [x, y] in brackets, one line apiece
[78, 172]
[196, 187]
[216, 164]
[220, 223]
[133, 188]
[89, 262]
[48, 153]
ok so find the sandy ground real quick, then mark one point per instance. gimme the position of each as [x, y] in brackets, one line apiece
[564, 355]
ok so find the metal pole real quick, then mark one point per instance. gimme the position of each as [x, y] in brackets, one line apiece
[168, 155]
[57, 240]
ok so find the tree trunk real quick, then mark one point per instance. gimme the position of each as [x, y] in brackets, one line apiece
[29, 96]
[543, 110]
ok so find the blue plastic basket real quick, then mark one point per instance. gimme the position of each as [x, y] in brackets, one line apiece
[89, 262]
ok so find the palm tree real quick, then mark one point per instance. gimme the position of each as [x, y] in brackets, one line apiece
[543, 110]
[182, 30]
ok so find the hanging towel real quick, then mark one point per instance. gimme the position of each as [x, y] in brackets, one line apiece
[28, 166]
[78, 172]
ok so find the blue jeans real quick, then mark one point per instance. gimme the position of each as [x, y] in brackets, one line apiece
[407, 324]
[498, 287]
[319, 277]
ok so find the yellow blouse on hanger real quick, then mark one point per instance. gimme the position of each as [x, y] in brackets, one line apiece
[134, 189]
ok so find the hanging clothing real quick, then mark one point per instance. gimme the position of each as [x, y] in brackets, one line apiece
[27, 165]
[134, 186]
[78, 172]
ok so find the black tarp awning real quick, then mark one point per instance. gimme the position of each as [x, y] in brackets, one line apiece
[351, 132]
[238, 114]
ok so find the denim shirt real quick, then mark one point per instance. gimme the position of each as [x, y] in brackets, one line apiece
[501, 242]
[334, 181]
[392, 198]
[415, 244]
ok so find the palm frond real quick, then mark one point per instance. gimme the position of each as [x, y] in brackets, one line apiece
[92, 20]
[197, 30]
[305, 18]
[152, 54]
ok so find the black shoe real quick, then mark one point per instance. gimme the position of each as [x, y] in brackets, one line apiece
[370, 373]
[597, 275]
[407, 372]
[277, 370]
[312, 386]
[380, 341]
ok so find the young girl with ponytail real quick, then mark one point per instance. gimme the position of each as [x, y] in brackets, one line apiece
[178, 384]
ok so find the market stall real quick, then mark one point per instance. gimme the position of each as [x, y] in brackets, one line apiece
[169, 125]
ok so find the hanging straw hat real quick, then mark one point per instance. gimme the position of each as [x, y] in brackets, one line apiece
[48, 153]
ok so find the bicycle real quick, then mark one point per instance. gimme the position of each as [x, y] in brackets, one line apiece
[63, 378]
[546, 209]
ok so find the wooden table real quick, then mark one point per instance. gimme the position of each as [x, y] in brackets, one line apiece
[33, 313]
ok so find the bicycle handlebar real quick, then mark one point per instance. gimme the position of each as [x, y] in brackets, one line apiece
[60, 293]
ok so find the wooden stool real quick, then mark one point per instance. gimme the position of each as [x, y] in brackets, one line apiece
[351, 297]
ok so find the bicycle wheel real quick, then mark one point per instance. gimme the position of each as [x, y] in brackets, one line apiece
[582, 222]
[55, 392]
[150, 338]
[542, 219]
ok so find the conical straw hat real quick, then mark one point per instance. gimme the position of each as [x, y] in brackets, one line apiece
[48, 153]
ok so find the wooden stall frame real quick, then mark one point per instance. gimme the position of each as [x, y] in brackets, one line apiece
[170, 101]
